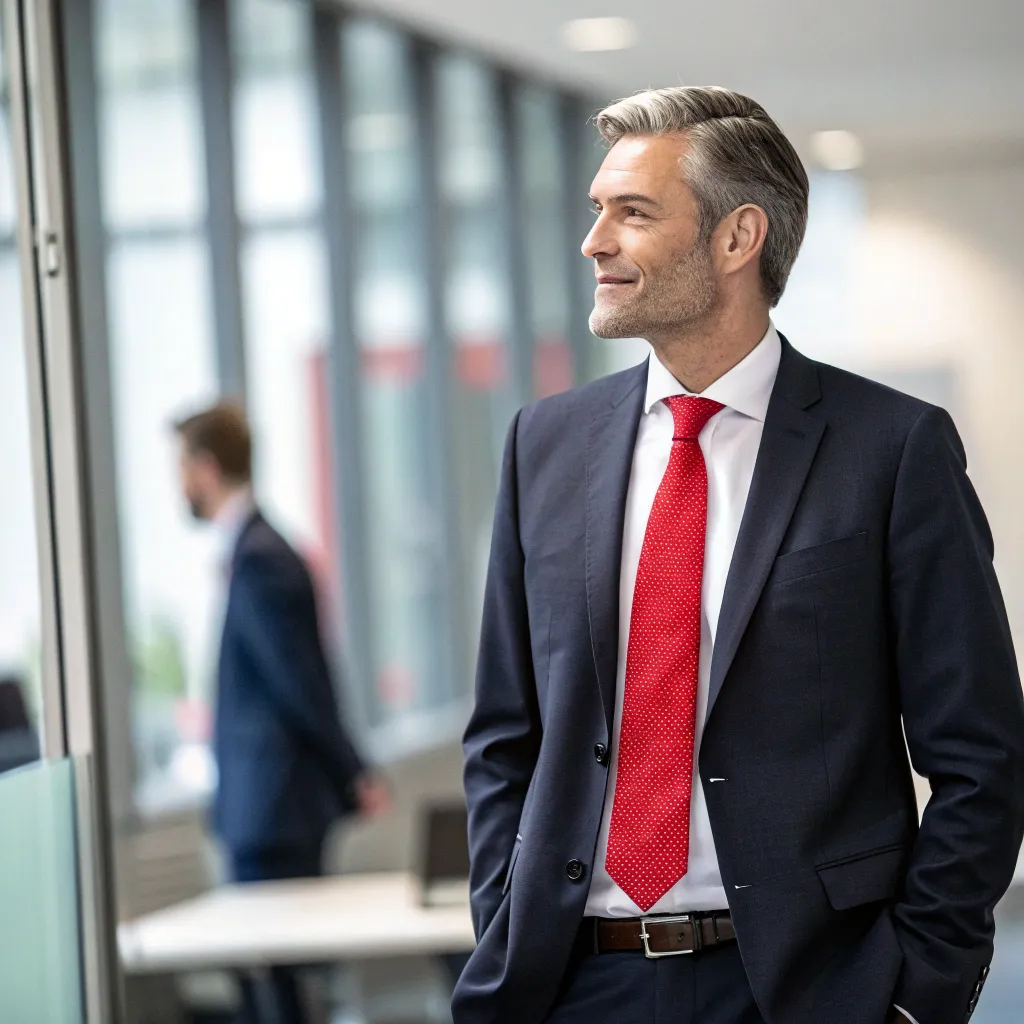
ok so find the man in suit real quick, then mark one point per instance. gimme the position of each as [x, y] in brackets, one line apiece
[722, 586]
[287, 768]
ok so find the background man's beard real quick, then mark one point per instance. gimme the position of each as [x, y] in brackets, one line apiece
[198, 510]
[682, 295]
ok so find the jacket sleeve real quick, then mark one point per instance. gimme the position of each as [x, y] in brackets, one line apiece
[503, 737]
[277, 611]
[963, 715]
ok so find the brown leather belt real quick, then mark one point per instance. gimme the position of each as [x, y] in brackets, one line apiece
[656, 936]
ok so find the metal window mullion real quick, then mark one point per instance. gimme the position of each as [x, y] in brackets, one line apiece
[80, 448]
[574, 190]
[344, 378]
[54, 733]
[91, 249]
[216, 92]
[513, 232]
[430, 240]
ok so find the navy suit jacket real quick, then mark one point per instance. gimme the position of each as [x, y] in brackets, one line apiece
[286, 764]
[861, 601]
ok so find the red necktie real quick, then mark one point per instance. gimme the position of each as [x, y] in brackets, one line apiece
[649, 836]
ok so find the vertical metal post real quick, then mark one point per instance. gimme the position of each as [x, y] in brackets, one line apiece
[54, 733]
[576, 164]
[520, 329]
[430, 241]
[343, 363]
[93, 338]
[77, 546]
[216, 90]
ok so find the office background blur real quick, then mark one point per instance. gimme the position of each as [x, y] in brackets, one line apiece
[364, 222]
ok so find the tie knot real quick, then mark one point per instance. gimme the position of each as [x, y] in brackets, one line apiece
[691, 415]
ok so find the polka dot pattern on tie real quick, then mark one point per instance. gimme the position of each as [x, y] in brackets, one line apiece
[649, 835]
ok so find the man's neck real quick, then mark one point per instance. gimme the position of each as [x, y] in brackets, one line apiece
[708, 350]
[228, 499]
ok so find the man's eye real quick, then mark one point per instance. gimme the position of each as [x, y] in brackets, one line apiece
[632, 211]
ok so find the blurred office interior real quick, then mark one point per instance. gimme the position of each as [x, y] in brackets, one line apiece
[363, 220]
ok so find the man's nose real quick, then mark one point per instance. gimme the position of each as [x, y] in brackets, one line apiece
[600, 241]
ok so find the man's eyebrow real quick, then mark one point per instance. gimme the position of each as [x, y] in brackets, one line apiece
[624, 198]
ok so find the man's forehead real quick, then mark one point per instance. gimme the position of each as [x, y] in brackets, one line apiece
[641, 163]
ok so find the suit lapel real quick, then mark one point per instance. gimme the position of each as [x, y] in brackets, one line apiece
[610, 442]
[792, 433]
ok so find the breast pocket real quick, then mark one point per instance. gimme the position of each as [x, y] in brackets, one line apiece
[834, 554]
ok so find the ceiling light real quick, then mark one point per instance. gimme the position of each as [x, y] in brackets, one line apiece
[594, 35]
[837, 150]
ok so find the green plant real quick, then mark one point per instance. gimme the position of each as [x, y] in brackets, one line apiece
[159, 661]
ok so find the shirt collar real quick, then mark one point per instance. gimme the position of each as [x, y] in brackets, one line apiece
[746, 388]
[231, 518]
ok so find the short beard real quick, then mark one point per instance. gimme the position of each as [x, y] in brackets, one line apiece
[680, 296]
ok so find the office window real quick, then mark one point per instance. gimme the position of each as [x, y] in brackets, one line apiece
[162, 364]
[284, 276]
[818, 308]
[404, 525]
[477, 302]
[20, 644]
[545, 230]
[8, 192]
[277, 156]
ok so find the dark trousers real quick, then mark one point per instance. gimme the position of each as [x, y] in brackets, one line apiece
[281, 1001]
[709, 987]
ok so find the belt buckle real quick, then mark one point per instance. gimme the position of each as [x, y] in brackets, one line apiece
[689, 919]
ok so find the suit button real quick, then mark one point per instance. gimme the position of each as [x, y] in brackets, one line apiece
[574, 869]
[601, 753]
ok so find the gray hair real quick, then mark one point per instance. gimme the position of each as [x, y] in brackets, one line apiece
[737, 155]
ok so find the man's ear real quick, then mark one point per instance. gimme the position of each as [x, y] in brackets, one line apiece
[740, 238]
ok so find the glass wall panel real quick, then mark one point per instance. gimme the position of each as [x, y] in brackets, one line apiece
[20, 643]
[404, 541]
[284, 279]
[477, 301]
[162, 365]
[150, 126]
[40, 956]
[545, 233]
[277, 155]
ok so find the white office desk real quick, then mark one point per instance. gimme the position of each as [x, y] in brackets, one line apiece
[308, 921]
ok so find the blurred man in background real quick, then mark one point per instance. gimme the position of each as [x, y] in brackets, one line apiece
[287, 767]
[722, 584]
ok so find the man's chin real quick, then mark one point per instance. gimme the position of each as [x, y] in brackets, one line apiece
[607, 325]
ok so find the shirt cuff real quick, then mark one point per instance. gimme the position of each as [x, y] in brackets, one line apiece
[905, 1014]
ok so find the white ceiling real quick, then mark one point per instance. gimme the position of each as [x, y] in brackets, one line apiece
[902, 73]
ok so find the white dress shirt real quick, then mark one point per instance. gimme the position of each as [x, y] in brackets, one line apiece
[229, 522]
[730, 442]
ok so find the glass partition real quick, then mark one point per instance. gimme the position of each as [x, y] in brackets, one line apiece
[162, 365]
[477, 302]
[404, 525]
[40, 958]
[20, 642]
